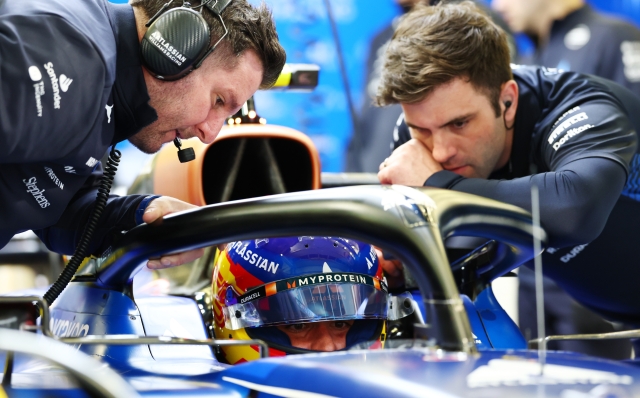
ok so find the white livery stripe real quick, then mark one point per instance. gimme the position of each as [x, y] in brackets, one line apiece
[279, 391]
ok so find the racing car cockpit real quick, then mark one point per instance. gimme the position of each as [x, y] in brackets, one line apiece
[271, 239]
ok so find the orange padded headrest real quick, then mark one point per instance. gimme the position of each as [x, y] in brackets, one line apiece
[201, 181]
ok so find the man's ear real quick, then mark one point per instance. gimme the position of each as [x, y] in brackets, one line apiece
[509, 101]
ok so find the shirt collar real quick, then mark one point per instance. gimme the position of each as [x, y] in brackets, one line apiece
[130, 96]
[527, 115]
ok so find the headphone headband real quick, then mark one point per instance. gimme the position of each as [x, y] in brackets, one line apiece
[218, 6]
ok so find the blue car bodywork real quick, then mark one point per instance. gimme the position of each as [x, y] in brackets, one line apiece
[466, 348]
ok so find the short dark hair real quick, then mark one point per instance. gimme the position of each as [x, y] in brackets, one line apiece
[249, 28]
[435, 44]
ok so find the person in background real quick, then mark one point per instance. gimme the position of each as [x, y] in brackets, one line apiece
[570, 35]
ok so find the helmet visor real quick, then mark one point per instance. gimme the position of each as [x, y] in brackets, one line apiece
[319, 302]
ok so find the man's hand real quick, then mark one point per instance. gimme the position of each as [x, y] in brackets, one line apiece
[158, 208]
[410, 164]
[392, 270]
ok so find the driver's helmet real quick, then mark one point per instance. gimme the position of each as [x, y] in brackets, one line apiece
[261, 284]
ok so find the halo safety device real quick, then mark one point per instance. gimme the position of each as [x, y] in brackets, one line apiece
[178, 39]
[263, 284]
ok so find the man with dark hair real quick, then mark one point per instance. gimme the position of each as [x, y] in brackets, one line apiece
[369, 143]
[474, 124]
[73, 83]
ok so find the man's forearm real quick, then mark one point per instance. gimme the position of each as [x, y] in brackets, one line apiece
[118, 215]
[575, 201]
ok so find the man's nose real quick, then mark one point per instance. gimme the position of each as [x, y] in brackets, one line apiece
[322, 340]
[210, 128]
[443, 149]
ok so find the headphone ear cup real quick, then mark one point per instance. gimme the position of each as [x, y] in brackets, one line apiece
[174, 43]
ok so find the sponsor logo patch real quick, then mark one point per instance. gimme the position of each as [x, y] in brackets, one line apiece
[39, 92]
[55, 86]
[91, 162]
[255, 259]
[36, 76]
[577, 37]
[54, 178]
[310, 280]
[65, 82]
[574, 252]
[167, 49]
[108, 108]
[560, 129]
[631, 60]
[38, 194]
[66, 328]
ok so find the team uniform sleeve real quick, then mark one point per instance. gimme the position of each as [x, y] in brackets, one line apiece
[587, 152]
[118, 216]
[43, 115]
[575, 201]
[589, 130]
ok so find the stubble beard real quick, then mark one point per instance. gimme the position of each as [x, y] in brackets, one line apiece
[148, 142]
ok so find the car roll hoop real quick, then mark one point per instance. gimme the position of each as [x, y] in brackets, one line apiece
[408, 222]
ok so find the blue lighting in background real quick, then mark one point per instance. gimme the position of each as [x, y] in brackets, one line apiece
[305, 33]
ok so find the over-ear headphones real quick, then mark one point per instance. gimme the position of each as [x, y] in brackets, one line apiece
[507, 104]
[178, 40]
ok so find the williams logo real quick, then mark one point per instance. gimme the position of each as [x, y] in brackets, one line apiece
[36, 76]
[38, 194]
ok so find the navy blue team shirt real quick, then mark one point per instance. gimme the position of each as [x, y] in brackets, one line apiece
[71, 85]
[575, 138]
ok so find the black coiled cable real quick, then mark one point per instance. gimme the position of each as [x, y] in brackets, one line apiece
[81, 251]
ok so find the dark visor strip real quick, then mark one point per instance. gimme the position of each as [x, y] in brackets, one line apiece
[272, 288]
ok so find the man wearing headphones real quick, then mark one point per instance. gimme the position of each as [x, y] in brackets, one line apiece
[473, 123]
[78, 76]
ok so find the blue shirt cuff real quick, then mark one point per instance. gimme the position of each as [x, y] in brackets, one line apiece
[443, 179]
[143, 206]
